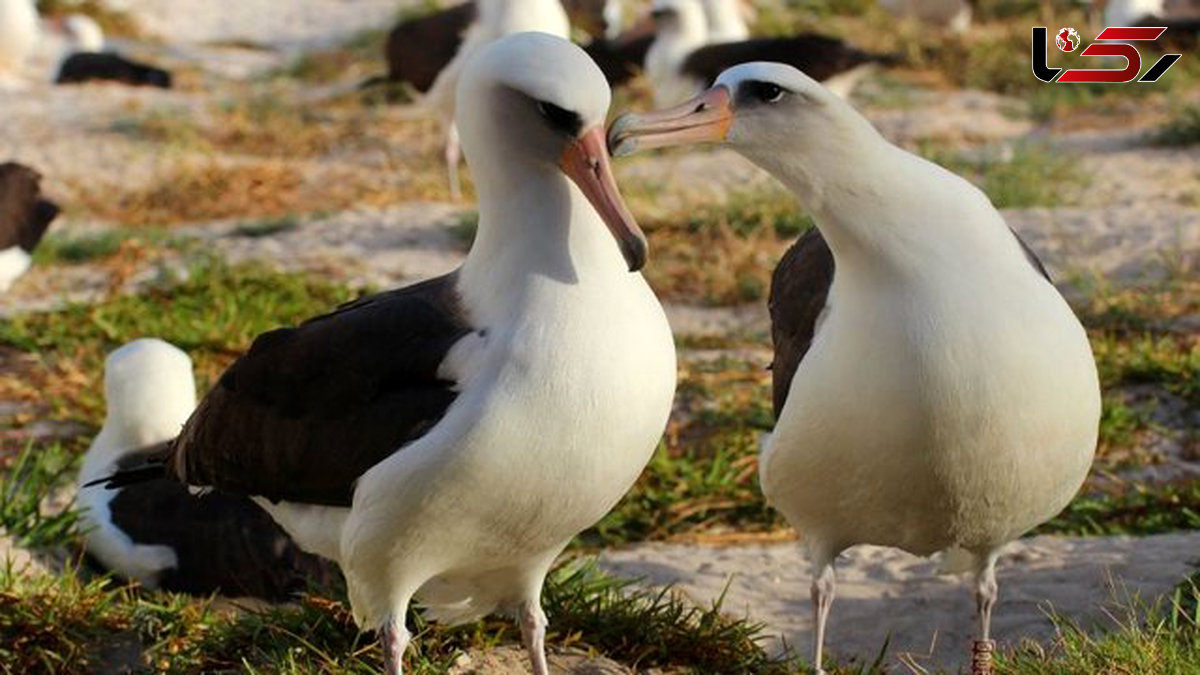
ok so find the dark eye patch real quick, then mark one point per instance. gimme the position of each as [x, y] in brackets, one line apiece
[561, 119]
[759, 91]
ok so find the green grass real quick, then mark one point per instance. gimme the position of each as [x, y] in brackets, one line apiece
[62, 623]
[1158, 637]
[36, 472]
[267, 227]
[1184, 129]
[77, 248]
[1019, 176]
[1136, 510]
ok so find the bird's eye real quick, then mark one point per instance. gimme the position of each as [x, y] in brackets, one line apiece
[560, 118]
[767, 92]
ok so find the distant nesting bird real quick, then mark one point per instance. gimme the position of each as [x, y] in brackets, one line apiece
[682, 61]
[90, 61]
[496, 19]
[24, 219]
[953, 15]
[160, 534]
[445, 441]
[934, 391]
[18, 37]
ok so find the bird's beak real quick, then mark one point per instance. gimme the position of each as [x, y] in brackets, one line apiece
[586, 162]
[703, 119]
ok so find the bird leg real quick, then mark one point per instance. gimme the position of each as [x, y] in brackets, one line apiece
[986, 591]
[824, 581]
[394, 637]
[451, 155]
[533, 631]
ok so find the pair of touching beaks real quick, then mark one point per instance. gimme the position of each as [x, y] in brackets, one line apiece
[585, 161]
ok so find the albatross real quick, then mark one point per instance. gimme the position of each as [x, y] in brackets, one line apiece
[90, 60]
[443, 442]
[686, 57]
[934, 391]
[24, 218]
[18, 37]
[160, 534]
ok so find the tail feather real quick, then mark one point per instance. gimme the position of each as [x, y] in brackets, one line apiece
[140, 466]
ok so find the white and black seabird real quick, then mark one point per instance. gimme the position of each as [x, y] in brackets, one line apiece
[159, 533]
[90, 59]
[443, 442]
[934, 390]
[24, 217]
[685, 57]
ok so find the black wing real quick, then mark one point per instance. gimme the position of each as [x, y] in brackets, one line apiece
[418, 49]
[309, 409]
[622, 58]
[223, 543]
[109, 67]
[24, 215]
[799, 292]
[817, 56]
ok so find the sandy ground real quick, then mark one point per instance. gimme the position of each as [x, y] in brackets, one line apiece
[929, 618]
[1142, 216]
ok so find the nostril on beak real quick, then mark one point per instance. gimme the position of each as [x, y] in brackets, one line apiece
[700, 108]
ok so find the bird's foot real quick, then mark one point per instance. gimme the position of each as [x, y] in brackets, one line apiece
[981, 657]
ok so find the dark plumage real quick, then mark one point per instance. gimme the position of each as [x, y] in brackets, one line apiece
[24, 214]
[223, 543]
[817, 56]
[418, 49]
[620, 59]
[799, 295]
[309, 409]
[110, 67]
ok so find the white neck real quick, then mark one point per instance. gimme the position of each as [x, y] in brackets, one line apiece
[534, 226]
[671, 48]
[502, 17]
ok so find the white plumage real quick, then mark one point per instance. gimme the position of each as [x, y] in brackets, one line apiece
[18, 36]
[85, 34]
[726, 22]
[681, 28]
[561, 402]
[149, 392]
[14, 261]
[949, 400]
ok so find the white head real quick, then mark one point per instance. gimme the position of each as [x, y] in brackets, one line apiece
[778, 117]
[725, 21]
[533, 106]
[85, 33]
[149, 391]
[680, 17]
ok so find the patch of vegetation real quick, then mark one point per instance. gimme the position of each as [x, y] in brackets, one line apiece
[1184, 129]
[62, 623]
[1136, 510]
[703, 481]
[213, 314]
[723, 254]
[1147, 638]
[208, 190]
[464, 227]
[60, 248]
[321, 66]
[24, 483]
[1019, 176]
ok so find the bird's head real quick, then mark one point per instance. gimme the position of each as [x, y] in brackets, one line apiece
[532, 98]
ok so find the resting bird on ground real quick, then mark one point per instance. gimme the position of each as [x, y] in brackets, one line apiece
[159, 533]
[90, 61]
[443, 442]
[934, 391]
[681, 62]
[24, 219]
[18, 37]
